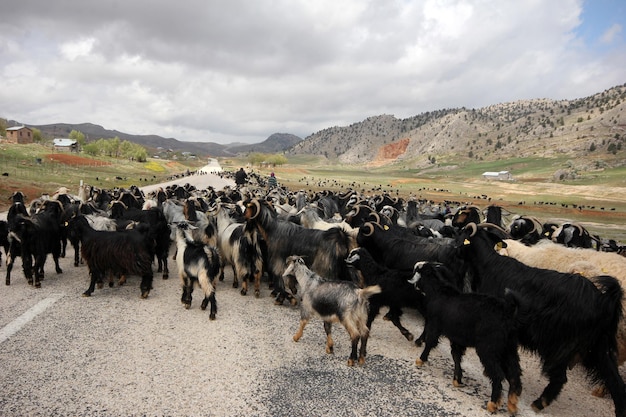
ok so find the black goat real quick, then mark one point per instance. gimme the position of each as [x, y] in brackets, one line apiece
[398, 252]
[574, 235]
[570, 320]
[396, 292]
[38, 236]
[197, 263]
[159, 230]
[15, 249]
[118, 253]
[472, 320]
[333, 301]
[465, 215]
[323, 250]
[527, 230]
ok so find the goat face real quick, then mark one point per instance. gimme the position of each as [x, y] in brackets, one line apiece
[294, 263]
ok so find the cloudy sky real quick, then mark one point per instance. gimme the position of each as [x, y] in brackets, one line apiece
[238, 71]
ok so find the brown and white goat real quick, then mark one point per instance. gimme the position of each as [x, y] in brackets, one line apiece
[333, 301]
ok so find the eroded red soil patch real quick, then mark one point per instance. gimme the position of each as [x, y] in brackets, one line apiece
[69, 159]
[393, 150]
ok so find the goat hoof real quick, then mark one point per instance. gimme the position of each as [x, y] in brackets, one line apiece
[100, 285]
[511, 404]
[187, 306]
[8, 282]
[361, 360]
[419, 362]
[492, 407]
[293, 301]
[539, 404]
[457, 384]
[211, 316]
[86, 294]
[235, 284]
[330, 351]
[243, 292]
[38, 285]
[350, 362]
[145, 294]
[599, 392]
[257, 294]
[409, 337]
[166, 276]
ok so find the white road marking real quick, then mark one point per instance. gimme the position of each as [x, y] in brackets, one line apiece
[15, 326]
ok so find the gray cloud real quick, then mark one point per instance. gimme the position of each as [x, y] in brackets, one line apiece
[229, 71]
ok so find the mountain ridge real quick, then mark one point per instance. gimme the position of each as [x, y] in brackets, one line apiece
[543, 127]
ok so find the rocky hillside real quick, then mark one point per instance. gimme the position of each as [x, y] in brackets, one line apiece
[523, 128]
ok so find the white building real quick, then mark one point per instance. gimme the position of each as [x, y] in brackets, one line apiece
[499, 175]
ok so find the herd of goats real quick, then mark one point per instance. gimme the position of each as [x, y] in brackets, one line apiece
[480, 281]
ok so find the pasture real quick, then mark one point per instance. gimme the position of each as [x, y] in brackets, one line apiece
[598, 193]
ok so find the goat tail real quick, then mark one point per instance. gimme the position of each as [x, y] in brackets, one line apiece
[517, 307]
[611, 300]
[367, 292]
[205, 282]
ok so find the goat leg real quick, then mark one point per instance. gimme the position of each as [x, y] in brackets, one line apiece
[298, 334]
[146, 284]
[354, 341]
[457, 355]
[95, 277]
[393, 315]
[432, 339]
[9, 268]
[328, 327]
[213, 311]
[363, 349]
[557, 377]
[257, 284]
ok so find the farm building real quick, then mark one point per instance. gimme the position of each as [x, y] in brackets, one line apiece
[499, 175]
[63, 144]
[19, 134]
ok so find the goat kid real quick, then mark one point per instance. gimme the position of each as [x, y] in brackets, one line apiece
[197, 263]
[472, 320]
[396, 292]
[333, 301]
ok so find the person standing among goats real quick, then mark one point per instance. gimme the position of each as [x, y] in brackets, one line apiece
[272, 182]
[241, 177]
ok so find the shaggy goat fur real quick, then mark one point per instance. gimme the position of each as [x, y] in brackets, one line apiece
[197, 263]
[472, 320]
[333, 301]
